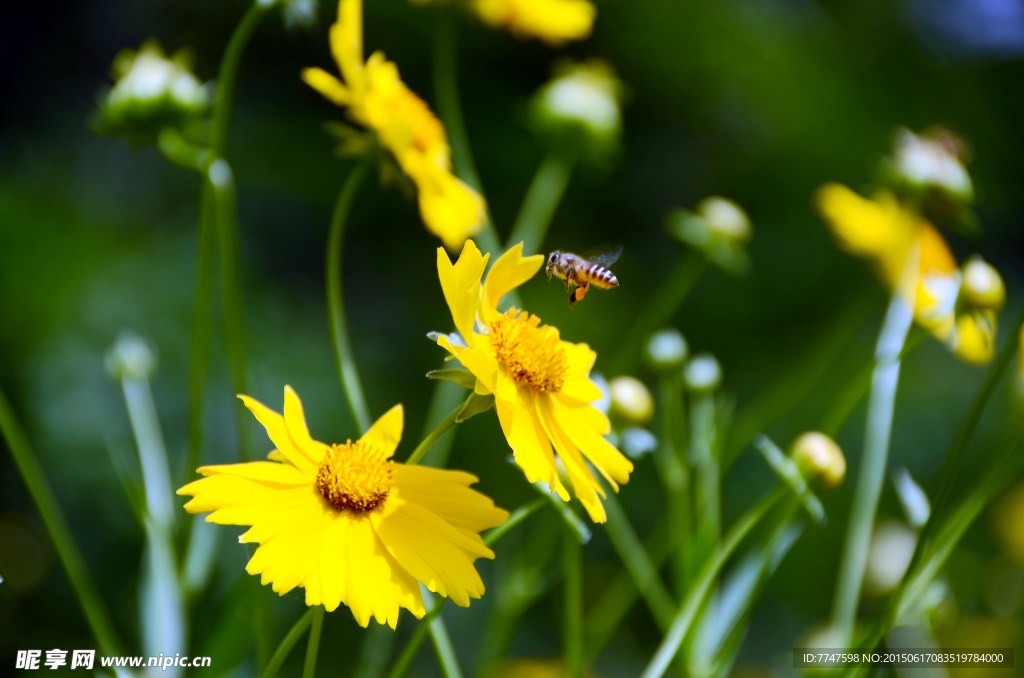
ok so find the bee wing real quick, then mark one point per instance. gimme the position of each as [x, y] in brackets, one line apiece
[603, 255]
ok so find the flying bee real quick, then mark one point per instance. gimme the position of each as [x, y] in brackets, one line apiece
[580, 272]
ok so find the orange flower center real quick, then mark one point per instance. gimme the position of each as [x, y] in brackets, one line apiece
[355, 476]
[532, 352]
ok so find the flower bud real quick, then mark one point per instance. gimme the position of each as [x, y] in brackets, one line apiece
[582, 101]
[702, 374]
[819, 458]
[666, 350]
[719, 228]
[631, 401]
[130, 357]
[151, 91]
[726, 218]
[299, 13]
[892, 547]
[636, 442]
[932, 160]
[982, 285]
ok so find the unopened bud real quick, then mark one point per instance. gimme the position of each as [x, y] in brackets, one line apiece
[702, 374]
[982, 285]
[726, 218]
[932, 160]
[666, 350]
[819, 458]
[583, 98]
[892, 547]
[130, 357]
[631, 400]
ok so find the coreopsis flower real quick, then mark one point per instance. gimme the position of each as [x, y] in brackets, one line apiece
[552, 21]
[151, 92]
[378, 100]
[541, 386]
[886, 232]
[347, 523]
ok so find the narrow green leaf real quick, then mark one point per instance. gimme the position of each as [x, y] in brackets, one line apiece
[463, 378]
[475, 404]
[787, 471]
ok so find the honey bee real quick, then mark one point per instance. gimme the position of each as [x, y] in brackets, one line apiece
[580, 272]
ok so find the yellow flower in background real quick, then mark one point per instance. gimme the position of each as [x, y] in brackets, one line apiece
[377, 99]
[541, 384]
[348, 524]
[553, 21]
[961, 314]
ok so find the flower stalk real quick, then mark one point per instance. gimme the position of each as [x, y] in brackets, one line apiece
[541, 201]
[56, 524]
[572, 626]
[343, 354]
[884, 380]
[316, 625]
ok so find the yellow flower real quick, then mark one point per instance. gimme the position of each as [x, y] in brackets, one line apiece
[377, 99]
[346, 523]
[553, 21]
[886, 232]
[541, 384]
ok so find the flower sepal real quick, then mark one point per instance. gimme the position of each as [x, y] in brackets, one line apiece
[719, 228]
[474, 405]
[463, 378]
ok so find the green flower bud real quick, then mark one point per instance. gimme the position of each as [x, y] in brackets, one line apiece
[719, 228]
[820, 459]
[726, 218]
[932, 160]
[151, 92]
[631, 400]
[581, 104]
[982, 285]
[666, 350]
[702, 374]
[892, 547]
[130, 357]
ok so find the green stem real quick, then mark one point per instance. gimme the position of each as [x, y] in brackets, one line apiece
[288, 642]
[881, 405]
[541, 201]
[309, 669]
[336, 298]
[703, 583]
[858, 387]
[638, 563]
[56, 525]
[202, 313]
[415, 641]
[222, 183]
[432, 437]
[675, 475]
[202, 327]
[572, 628]
[704, 457]
[953, 461]
[443, 647]
[449, 108]
[227, 78]
[663, 305]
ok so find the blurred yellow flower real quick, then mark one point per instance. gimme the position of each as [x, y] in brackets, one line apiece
[886, 232]
[377, 99]
[541, 384]
[553, 21]
[348, 524]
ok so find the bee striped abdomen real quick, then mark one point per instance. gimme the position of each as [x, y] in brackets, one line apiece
[598, 275]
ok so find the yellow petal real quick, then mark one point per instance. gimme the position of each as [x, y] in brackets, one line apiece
[461, 286]
[295, 423]
[529, 442]
[328, 85]
[553, 21]
[447, 494]
[449, 208]
[581, 390]
[431, 550]
[579, 360]
[265, 471]
[483, 367]
[278, 432]
[357, 570]
[584, 425]
[346, 37]
[239, 500]
[584, 484]
[509, 272]
[386, 432]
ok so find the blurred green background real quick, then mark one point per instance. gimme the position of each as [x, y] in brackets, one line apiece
[758, 100]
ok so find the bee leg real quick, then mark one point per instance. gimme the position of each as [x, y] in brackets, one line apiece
[570, 276]
[578, 294]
